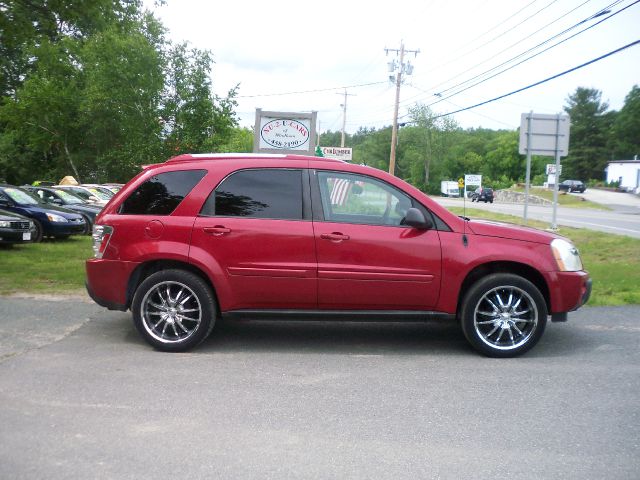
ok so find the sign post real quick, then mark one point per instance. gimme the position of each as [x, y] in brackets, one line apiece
[547, 135]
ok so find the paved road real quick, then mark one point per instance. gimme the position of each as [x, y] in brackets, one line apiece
[82, 397]
[623, 219]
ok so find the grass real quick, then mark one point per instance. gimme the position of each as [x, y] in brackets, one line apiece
[58, 267]
[47, 267]
[613, 261]
[564, 199]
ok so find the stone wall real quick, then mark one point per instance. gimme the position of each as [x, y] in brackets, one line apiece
[509, 196]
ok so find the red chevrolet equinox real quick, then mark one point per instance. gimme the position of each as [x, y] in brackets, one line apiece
[205, 236]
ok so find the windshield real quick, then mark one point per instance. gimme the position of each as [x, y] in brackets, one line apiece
[20, 196]
[98, 193]
[81, 193]
[69, 198]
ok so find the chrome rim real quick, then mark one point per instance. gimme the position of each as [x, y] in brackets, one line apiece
[505, 317]
[171, 312]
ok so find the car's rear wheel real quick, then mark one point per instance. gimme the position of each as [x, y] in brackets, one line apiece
[174, 310]
[503, 315]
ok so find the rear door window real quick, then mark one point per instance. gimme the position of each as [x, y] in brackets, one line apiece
[162, 193]
[261, 193]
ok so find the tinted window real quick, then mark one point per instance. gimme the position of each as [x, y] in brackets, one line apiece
[265, 193]
[352, 198]
[162, 193]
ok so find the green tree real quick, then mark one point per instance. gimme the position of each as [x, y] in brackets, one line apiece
[625, 133]
[590, 125]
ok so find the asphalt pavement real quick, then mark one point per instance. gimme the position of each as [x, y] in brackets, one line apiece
[82, 396]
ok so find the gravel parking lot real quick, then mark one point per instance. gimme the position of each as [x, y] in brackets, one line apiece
[81, 396]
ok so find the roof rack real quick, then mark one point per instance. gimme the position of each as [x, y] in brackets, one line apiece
[187, 157]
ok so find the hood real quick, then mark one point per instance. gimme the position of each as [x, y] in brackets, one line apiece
[10, 216]
[507, 230]
[41, 208]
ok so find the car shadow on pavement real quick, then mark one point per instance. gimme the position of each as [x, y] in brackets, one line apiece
[362, 338]
[336, 337]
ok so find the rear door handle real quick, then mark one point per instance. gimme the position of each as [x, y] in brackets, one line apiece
[334, 236]
[218, 230]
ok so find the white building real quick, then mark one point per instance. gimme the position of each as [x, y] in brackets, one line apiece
[627, 172]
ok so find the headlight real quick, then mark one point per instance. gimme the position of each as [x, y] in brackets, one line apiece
[56, 218]
[4, 224]
[566, 255]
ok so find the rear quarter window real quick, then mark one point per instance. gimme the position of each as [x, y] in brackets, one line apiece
[162, 193]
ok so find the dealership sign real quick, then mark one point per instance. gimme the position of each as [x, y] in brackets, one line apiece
[284, 132]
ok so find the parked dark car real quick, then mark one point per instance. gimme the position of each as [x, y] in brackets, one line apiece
[482, 194]
[14, 228]
[66, 199]
[48, 220]
[572, 186]
[206, 236]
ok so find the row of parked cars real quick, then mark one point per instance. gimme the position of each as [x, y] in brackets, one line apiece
[30, 213]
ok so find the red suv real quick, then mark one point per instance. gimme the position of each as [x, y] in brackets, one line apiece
[201, 237]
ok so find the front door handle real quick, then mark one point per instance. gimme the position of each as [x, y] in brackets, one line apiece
[218, 230]
[334, 236]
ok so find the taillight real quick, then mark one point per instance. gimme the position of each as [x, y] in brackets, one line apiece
[101, 236]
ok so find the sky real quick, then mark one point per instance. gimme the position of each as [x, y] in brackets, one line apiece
[297, 56]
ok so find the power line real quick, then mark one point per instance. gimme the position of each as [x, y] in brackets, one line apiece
[525, 60]
[483, 34]
[507, 31]
[310, 91]
[618, 50]
[510, 47]
[486, 72]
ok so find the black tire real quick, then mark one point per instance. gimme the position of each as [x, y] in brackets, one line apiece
[174, 310]
[88, 227]
[491, 320]
[36, 233]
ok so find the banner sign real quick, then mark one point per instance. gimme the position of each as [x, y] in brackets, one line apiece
[341, 153]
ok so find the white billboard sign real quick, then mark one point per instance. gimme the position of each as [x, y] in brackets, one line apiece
[284, 132]
[549, 133]
[341, 153]
[473, 180]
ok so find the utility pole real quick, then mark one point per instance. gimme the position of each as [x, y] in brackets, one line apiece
[401, 68]
[344, 114]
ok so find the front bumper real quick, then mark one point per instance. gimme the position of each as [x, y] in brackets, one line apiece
[14, 236]
[572, 290]
[62, 229]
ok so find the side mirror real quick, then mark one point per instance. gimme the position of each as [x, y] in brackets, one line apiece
[56, 201]
[416, 219]
[4, 202]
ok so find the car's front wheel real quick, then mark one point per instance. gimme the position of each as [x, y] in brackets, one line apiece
[36, 232]
[503, 315]
[174, 310]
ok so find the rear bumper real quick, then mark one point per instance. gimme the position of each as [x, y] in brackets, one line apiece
[103, 302]
[107, 282]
